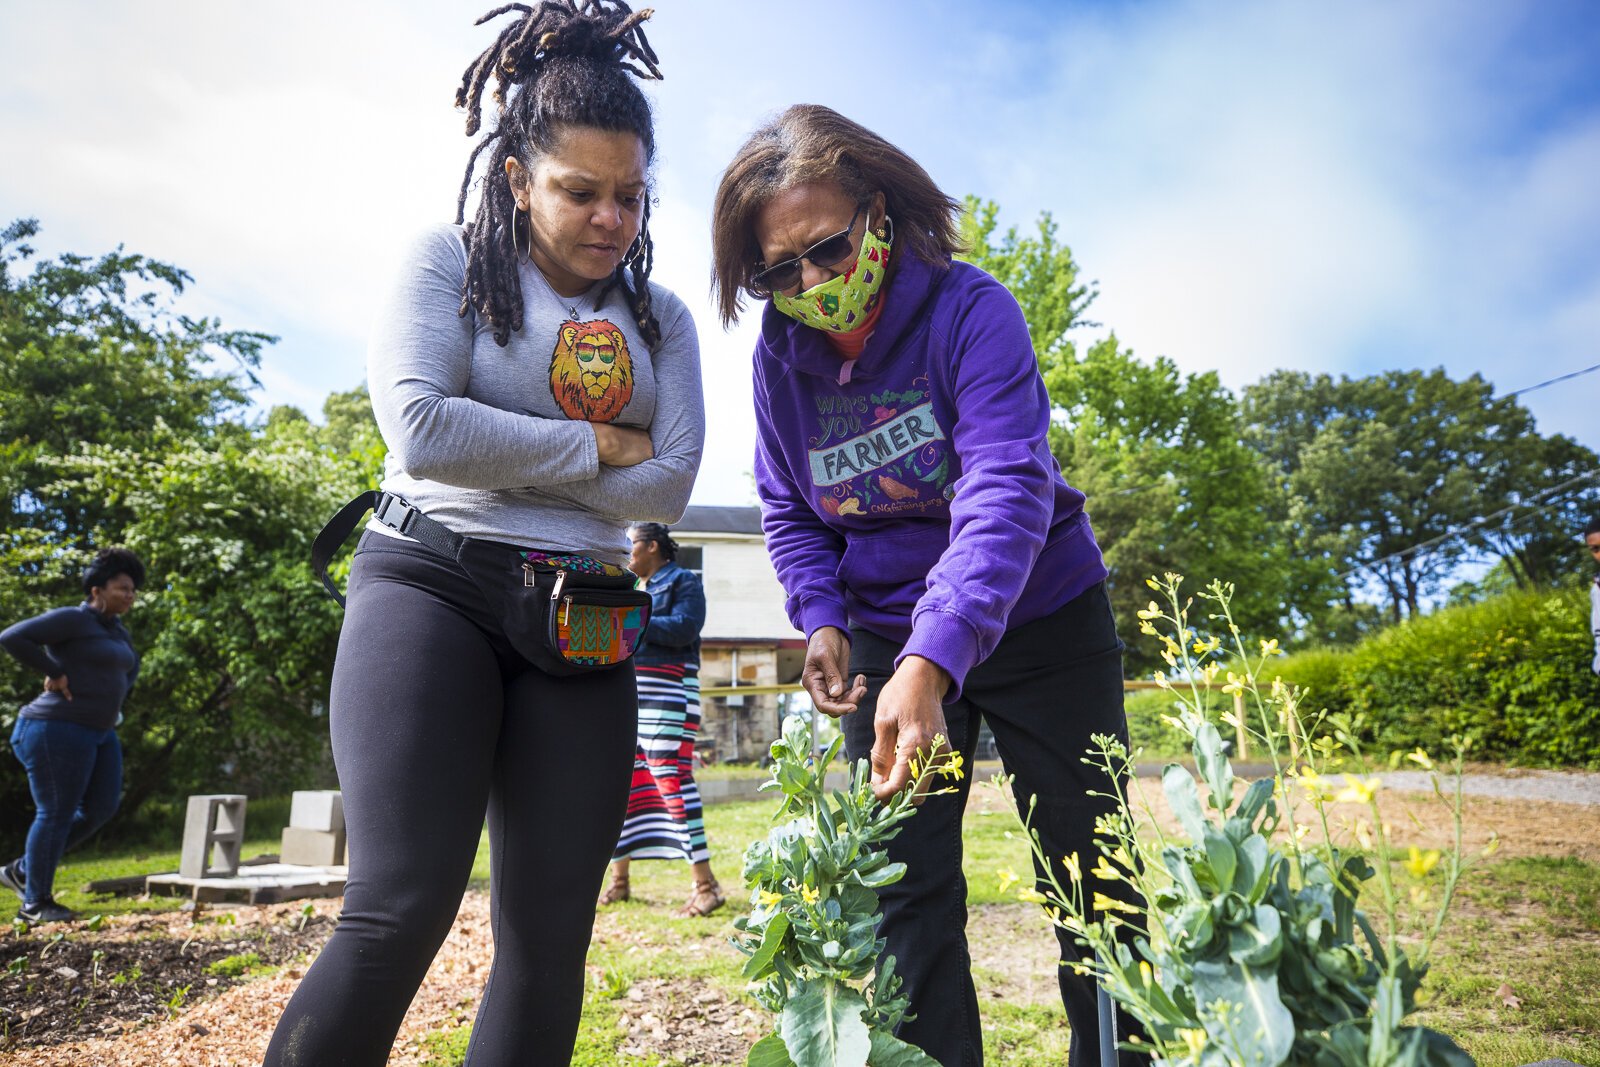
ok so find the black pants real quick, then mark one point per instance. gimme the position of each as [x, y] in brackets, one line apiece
[1049, 685]
[435, 719]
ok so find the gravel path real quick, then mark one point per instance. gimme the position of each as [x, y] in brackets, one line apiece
[1563, 787]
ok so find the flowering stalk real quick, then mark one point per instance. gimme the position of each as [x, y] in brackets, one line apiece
[811, 935]
[1249, 949]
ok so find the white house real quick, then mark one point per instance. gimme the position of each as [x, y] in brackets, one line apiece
[747, 639]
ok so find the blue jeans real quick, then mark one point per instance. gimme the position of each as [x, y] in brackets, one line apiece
[75, 775]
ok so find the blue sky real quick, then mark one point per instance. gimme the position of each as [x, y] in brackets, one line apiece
[1343, 188]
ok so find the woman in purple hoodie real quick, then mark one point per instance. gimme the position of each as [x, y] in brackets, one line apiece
[943, 571]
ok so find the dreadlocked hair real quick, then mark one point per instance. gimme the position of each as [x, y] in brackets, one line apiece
[562, 64]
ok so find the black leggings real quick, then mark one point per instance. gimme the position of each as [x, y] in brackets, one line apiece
[435, 719]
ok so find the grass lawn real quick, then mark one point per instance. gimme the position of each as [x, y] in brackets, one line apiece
[1513, 979]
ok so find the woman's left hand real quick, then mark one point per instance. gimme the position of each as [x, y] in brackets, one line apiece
[909, 716]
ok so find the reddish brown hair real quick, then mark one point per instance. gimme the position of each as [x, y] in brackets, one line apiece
[811, 143]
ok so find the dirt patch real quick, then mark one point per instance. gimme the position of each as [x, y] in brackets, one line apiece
[690, 1021]
[1523, 827]
[1014, 954]
[65, 984]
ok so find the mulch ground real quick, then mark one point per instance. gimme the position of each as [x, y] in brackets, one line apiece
[63, 1006]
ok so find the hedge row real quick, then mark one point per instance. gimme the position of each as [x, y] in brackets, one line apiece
[1512, 673]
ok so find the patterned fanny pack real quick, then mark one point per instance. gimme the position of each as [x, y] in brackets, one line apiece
[567, 614]
[594, 616]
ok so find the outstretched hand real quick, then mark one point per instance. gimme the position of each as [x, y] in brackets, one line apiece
[910, 715]
[827, 662]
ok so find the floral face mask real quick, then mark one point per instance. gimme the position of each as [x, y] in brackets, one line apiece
[842, 303]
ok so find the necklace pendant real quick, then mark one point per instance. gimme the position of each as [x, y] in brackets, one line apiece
[572, 309]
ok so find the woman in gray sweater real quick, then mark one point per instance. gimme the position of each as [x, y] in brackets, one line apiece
[66, 738]
[537, 393]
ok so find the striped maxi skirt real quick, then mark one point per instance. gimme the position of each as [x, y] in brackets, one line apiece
[665, 820]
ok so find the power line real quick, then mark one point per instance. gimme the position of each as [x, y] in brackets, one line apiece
[1552, 381]
[1480, 521]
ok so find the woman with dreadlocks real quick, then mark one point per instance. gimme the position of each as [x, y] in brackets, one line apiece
[942, 570]
[537, 393]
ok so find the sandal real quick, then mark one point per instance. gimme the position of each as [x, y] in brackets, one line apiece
[703, 900]
[616, 892]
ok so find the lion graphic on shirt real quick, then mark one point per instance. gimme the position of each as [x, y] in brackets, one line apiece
[591, 370]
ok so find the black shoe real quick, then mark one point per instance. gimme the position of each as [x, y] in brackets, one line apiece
[11, 878]
[48, 912]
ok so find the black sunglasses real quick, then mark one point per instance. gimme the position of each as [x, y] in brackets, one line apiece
[825, 253]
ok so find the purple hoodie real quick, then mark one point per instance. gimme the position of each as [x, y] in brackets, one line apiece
[918, 498]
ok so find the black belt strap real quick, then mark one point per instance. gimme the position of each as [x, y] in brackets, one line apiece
[393, 512]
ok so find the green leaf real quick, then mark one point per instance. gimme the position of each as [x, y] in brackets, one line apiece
[1250, 878]
[1184, 797]
[770, 1051]
[886, 875]
[1255, 799]
[1223, 859]
[771, 944]
[890, 1051]
[1258, 943]
[1214, 766]
[1259, 1031]
[822, 1026]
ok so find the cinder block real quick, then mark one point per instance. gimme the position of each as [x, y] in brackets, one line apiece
[317, 809]
[213, 823]
[312, 848]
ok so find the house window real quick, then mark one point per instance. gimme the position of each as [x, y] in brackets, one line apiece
[691, 557]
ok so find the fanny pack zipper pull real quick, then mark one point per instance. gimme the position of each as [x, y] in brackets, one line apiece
[530, 577]
[566, 610]
[561, 579]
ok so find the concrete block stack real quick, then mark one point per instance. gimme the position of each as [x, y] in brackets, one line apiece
[213, 830]
[315, 834]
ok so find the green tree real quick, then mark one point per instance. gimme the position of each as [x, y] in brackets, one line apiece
[121, 422]
[1392, 476]
[1170, 483]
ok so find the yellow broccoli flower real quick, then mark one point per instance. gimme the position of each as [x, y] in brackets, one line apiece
[1104, 871]
[1031, 895]
[1071, 864]
[809, 895]
[1421, 863]
[1358, 790]
[1270, 647]
[1235, 683]
[766, 898]
[1008, 878]
[1420, 758]
[1103, 903]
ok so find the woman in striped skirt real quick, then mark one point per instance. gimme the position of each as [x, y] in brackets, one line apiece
[664, 816]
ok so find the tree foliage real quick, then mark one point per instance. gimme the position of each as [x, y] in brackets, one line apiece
[1161, 456]
[1394, 474]
[121, 422]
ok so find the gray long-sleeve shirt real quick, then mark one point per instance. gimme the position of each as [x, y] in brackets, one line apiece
[93, 650]
[498, 442]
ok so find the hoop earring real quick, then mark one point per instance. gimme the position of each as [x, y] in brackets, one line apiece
[515, 212]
